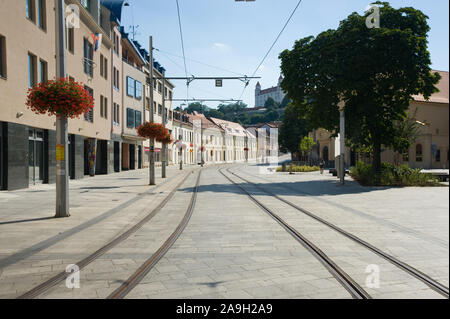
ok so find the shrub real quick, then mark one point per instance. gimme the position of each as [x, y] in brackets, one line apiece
[300, 169]
[392, 175]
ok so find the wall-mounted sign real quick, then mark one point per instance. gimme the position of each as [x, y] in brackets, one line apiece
[219, 83]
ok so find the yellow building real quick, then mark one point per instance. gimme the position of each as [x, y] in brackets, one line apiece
[430, 150]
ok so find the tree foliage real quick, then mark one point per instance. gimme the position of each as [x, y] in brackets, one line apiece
[306, 145]
[293, 129]
[374, 71]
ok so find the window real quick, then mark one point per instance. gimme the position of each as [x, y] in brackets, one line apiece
[159, 109]
[88, 56]
[130, 86]
[89, 116]
[41, 14]
[419, 153]
[2, 57]
[86, 4]
[147, 103]
[71, 39]
[130, 118]
[43, 73]
[159, 87]
[137, 119]
[165, 92]
[116, 114]
[170, 95]
[154, 107]
[154, 84]
[32, 79]
[138, 90]
[438, 156]
[103, 107]
[29, 9]
[101, 64]
[105, 68]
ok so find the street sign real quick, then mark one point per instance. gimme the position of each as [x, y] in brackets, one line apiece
[219, 83]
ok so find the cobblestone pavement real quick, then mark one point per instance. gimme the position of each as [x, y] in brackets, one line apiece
[230, 248]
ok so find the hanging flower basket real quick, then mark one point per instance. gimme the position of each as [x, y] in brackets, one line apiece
[167, 139]
[152, 130]
[246, 149]
[62, 97]
[201, 149]
[191, 145]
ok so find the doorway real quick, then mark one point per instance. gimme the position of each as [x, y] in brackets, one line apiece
[139, 157]
[36, 156]
[116, 157]
[132, 156]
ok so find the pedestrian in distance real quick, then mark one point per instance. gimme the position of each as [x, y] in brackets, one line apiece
[322, 166]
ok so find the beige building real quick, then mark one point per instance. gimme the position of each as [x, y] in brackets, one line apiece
[430, 150]
[185, 134]
[28, 37]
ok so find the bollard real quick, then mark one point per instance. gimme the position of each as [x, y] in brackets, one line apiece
[283, 169]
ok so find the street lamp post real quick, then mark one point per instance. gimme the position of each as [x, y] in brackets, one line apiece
[152, 118]
[164, 146]
[181, 136]
[342, 142]
[62, 161]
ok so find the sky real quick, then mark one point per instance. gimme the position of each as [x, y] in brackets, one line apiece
[234, 37]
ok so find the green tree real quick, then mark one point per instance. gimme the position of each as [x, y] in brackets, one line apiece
[271, 104]
[373, 71]
[293, 129]
[407, 132]
[215, 113]
[198, 107]
[284, 102]
[306, 145]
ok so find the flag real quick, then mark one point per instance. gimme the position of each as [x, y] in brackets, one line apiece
[97, 37]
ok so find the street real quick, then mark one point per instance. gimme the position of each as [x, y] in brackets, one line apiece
[226, 246]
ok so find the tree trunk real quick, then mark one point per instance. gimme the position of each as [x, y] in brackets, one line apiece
[376, 163]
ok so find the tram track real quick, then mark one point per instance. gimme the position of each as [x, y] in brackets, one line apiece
[147, 266]
[354, 289]
[427, 280]
[58, 278]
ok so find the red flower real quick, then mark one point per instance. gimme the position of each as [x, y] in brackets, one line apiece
[62, 97]
[153, 130]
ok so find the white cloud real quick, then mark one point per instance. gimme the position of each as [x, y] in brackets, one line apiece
[221, 47]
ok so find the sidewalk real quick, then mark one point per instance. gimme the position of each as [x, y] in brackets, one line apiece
[34, 244]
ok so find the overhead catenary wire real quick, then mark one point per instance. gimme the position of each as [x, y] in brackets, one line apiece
[273, 44]
[199, 62]
[182, 48]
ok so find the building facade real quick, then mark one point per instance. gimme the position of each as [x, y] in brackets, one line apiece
[28, 141]
[275, 92]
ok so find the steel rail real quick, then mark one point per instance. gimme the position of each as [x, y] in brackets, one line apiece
[355, 290]
[430, 282]
[46, 285]
[145, 268]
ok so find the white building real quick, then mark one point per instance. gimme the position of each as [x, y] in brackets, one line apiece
[275, 93]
